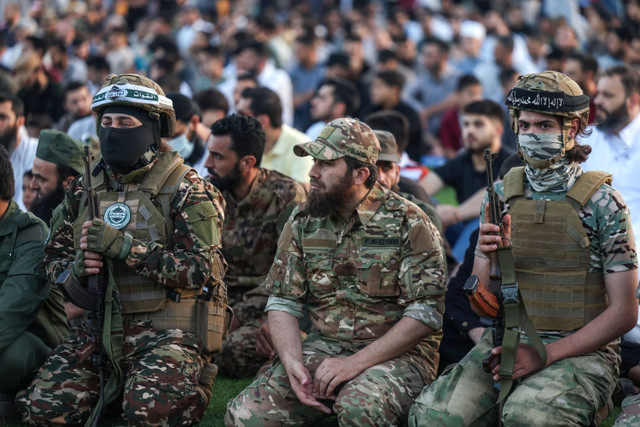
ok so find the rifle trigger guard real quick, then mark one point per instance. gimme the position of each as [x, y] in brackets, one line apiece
[510, 294]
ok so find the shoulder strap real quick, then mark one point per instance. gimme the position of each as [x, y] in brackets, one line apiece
[167, 192]
[586, 185]
[160, 174]
[514, 183]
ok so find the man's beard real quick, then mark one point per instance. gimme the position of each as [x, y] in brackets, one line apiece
[228, 182]
[614, 119]
[43, 206]
[478, 148]
[9, 139]
[320, 203]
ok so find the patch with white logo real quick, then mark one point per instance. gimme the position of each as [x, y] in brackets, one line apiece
[117, 215]
[115, 92]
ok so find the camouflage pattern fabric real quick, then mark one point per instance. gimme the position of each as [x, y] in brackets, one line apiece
[362, 276]
[381, 395]
[560, 176]
[570, 391]
[566, 393]
[252, 226]
[185, 266]
[249, 236]
[188, 263]
[162, 387]
[630, 415]
[359, 278]
[342, 137]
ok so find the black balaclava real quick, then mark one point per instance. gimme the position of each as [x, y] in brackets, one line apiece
[123, 149]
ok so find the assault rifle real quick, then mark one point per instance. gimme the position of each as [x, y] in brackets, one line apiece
[96, 285]
[495, 274]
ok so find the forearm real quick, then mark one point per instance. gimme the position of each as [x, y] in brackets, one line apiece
[285, 335]
[470, 208]
[402, 337]
[178, 268]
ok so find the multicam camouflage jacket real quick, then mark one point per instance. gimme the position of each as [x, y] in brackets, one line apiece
[361, 276]
[186, 264]
[252, 226]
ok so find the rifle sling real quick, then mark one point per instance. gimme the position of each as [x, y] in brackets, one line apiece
[515, 320]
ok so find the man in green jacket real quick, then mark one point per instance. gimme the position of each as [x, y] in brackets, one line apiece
[32, 318]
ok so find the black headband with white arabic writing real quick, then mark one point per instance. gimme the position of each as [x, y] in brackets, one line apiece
[546, 102]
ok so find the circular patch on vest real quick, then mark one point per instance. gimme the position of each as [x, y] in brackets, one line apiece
[117, 215]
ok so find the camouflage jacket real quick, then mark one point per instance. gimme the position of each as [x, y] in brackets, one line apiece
[186, 264]
[252, 226]
[361, 276]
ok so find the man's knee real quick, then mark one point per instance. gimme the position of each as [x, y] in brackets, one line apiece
[20, 361]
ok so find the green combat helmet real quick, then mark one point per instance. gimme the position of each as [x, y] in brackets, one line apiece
[136, 91]
[553, 93]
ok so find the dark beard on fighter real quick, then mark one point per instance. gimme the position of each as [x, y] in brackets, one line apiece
[8, 140]
[614, 119]
[43, 206]
[321, 203]
[228, 182]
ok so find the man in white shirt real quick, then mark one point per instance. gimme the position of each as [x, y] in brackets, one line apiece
[615, 140]
[264, 105]
[615, 144]
[14, 137]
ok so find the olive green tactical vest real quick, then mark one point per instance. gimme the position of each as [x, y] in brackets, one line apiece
[147, 223]
[551, 254]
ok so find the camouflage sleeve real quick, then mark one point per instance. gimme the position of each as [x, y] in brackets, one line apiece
[194, 259]
[59, 248]
[422, 276]
[615, 238]
[286, 280]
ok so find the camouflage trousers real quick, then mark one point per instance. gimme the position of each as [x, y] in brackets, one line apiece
[566, 393]
[238, 357]
[380, 395]
[162, 386]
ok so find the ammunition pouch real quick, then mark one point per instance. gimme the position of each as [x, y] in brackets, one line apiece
[208, 320]
[484, 300]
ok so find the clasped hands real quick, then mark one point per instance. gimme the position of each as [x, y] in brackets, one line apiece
[331, 373]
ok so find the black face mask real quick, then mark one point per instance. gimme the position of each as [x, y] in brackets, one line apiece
[122, 148]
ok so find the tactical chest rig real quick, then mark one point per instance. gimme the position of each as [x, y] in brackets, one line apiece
[131, 207]
[551, 254]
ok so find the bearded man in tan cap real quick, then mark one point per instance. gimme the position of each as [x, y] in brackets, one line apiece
[369, 265]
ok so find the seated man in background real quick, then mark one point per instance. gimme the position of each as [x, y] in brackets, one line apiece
[32, 318]
[370, 267]
[481, 129]
[259, 202]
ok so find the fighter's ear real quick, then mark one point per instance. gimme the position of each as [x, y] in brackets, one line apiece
[360, 175]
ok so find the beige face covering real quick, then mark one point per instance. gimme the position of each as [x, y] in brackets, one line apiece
[547, 168]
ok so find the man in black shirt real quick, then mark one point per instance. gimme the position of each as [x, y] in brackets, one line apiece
[482, 128]
[386, 90]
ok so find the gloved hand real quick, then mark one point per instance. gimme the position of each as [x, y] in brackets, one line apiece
[77, 267]
[104, 239]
